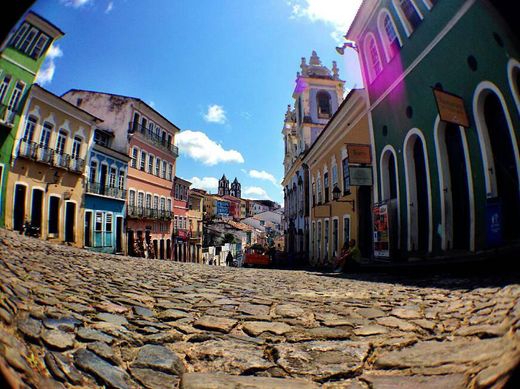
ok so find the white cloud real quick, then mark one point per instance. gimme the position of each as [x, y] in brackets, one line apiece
[256, 193]
[75, 3]
[263, 175]
[215, 114]
[338, 14]
[110, 7]
[198, 146]
[207, 183]
[46, 73]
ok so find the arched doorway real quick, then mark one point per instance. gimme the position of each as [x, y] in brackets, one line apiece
[504, 163]
[455, 185]
[418, 193]
[390, 192]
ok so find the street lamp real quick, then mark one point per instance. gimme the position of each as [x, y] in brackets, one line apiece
[348, 43]
[336, 192]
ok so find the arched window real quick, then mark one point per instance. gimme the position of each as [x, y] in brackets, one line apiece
[372, 58]
[409, 14]
[324, 108]
[388, 34]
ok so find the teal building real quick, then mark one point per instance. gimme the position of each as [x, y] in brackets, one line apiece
[21, 56]
[443, 82]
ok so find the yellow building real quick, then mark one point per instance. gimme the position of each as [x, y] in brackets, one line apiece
[195, 217]
[338, 162]
[46, 179]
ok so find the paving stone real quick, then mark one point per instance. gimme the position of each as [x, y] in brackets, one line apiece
[108, 374]
[214, 323]
[103, 350]
[58, 339]
[159, 358]
[153, 379]
[221, 381]
[371, 330]
[452, 381]
[92, 335]
[117, 320]
[67, 324]
[255, 328]
[172, 314]
[31, 328]
[141, 311]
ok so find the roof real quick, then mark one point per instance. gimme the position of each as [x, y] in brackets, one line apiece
[126, 97]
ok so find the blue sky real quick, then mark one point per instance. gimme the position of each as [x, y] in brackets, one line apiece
[222, 70]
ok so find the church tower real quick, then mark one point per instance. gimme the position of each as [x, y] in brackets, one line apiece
[236, 190]
[223, 186]
[317, 95]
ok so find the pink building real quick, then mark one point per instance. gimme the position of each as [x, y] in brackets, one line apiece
[181, 231]
[149, 138]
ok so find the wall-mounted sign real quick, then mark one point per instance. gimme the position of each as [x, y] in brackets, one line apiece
[359, 154]
[451, 108]
[381, 231]
[360, 175]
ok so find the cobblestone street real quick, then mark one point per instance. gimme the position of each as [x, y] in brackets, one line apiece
[71, 318]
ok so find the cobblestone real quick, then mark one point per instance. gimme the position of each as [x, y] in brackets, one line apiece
[73, 318]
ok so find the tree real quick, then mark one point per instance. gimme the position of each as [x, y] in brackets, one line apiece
[229, 238]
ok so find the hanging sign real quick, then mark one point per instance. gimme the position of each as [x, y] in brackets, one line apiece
[360, 175]
[359, 153]
[451, 108]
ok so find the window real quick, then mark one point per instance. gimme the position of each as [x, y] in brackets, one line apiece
[112, 177]
[150, 163]
[319, 189]
[373, 61]
[19, 35]
[45, 135]
[98, 230]
[142, 165]
[15, 97]
[133, 163]
[28, 39]
[335, 236]
[346, 177]
[4, 87]
[108, 229]
[163, 173]
[76, 147]
[326, 186]
[409, 15]
[313, 194]
[326, 239]
[157, 166]
[100, 138]
[121, 179]
[346, 229]
[163, 203]
[30, 125]
[391, 40]
[169, 205]
[131, 197]
[140, 199]
[39, 47]
[60, 142]
[170, 169]
[155, 202]
[93, 171]
[324, 108]
[148, 201]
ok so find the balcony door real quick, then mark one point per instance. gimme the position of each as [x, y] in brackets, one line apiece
[103, 178]
[36, 208]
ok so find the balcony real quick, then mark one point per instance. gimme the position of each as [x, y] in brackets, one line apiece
[7, 115]
[105, 190]
[48, 156]
[154, 139]
[137, 212]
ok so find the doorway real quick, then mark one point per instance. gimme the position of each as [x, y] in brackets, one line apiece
[19, 207]
[506, 174]
[161, 249]
[88, 229]
[37, 209]
[70, 221]
[103, 179]
[364, 212]
[119, 234]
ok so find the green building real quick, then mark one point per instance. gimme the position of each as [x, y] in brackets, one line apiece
[21, 57]
[443, 81]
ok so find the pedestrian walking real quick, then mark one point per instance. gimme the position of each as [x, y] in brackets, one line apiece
[229, 259]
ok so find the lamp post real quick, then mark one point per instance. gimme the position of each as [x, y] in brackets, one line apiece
[348, 43]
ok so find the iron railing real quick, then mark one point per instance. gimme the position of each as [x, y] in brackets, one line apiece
[149, 213]
[156, 140]
[105, 190]
[44, 154]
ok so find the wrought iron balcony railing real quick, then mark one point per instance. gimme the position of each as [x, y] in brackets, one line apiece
[105, 190]
[44, 154]
[7, 115]
[156, 140]
[148, 213]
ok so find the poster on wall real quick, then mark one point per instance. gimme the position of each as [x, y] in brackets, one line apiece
[381, 231]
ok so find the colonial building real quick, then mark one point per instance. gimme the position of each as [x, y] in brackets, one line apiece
[149, 137]
[317, 95]
[21, 57]
[196, 227]
[46, 180]
[105, 194]
[443, 93]
[340, 175]
[181, 231]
